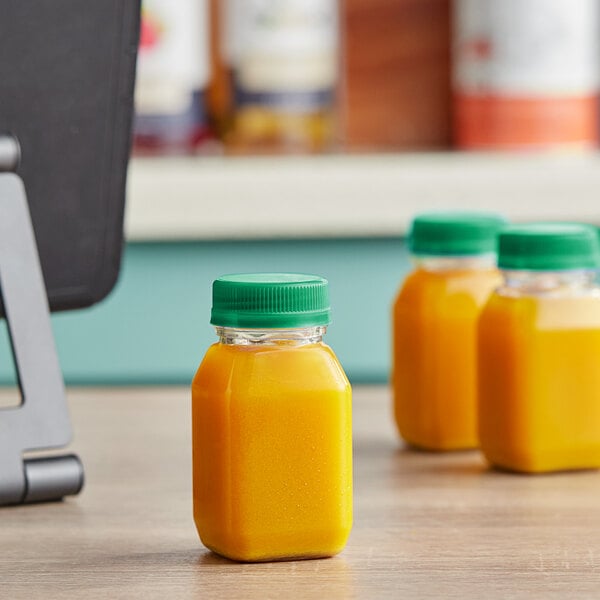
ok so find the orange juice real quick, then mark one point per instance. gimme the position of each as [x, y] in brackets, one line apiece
[272, 434]
[435, 316]
[539, 353]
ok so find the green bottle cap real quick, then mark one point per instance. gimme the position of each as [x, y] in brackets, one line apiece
[549, 247]
[455, 233]
[270, 300]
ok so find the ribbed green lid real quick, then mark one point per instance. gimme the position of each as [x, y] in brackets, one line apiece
[455, 233]
[549, 247]
[270, 300]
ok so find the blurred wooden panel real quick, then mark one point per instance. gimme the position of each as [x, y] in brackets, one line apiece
[396, 91]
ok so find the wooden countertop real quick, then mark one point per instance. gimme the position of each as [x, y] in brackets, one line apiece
[426, 525]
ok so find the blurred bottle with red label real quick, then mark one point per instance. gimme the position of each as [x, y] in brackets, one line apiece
[526, 73]
[172, 75]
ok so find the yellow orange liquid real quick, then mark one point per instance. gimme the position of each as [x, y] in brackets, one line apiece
[272, 451]
[539, 382]
[434, 365]
[262, 129]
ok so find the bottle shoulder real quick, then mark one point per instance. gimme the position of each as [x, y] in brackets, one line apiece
[308, 365]
[547, 312]
[436, 287]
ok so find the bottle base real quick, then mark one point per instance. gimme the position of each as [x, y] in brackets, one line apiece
[273, 548]
[241, 558]
[424, 444]
[540, 464]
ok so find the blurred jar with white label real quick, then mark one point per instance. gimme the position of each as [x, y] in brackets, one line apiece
[283, 57]
[526, 73]
[172, 75]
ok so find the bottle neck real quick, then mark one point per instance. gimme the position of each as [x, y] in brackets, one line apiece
[300, 336]
[549, 283]
[475, 262]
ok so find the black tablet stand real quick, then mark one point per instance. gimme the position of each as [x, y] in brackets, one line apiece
[41, 421]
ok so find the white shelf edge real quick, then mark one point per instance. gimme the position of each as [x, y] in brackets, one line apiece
[209, 198]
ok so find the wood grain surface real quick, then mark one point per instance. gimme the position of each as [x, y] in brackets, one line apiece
[426, 525]
[396, 84]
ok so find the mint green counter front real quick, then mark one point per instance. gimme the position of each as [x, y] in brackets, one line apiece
[152, 329]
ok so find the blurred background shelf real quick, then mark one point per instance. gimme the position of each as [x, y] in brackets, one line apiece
[220, 198]
[344, 217]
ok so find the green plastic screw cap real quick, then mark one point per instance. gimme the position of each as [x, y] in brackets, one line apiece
[549, 247]
[270, 300]
[455, 233]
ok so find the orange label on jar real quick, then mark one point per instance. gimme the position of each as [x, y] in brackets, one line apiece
[491, 121]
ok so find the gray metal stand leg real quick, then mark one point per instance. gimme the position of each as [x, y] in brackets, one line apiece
[41, 421]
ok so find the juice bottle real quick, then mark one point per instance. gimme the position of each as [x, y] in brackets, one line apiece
[539, 352]
[271, 417]
[434, 328]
